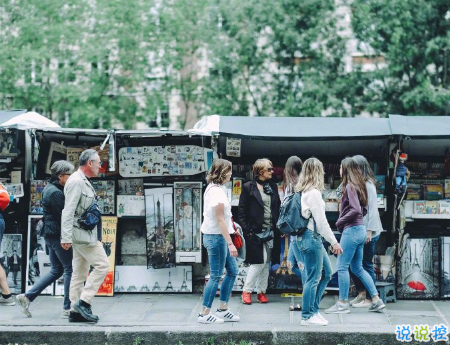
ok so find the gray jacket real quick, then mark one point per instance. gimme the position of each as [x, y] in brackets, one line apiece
[79, 195]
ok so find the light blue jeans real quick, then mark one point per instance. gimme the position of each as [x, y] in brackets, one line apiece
[219, 258]
[293, 263]
[317, 272]
[368, 253]
[352, 243]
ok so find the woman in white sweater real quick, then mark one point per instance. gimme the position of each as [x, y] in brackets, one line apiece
[373, 225]
[316, 261]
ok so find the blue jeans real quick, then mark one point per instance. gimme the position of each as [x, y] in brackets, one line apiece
[352, 243]
[293, 263]
[368, 253]
[317, 272]
[2, 229]
[61, 261]
[219, 258]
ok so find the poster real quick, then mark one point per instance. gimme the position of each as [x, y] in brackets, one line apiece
[15, 189]
[36, 192]
[130, 205]
[445, 268]
[233, 148]
[418, 269]
[57, 152]
[168, 160]
[73, 156]
[8, 144]
[236, 191]
[105, 191]
[38, 261]
[109, 231]
[160, 231]
[134, 186]
[11, 260]
[135, 279]
[187, 222]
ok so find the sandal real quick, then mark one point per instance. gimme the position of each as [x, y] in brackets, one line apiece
[296, 307]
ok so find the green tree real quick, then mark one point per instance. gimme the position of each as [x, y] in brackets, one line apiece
[413, 36]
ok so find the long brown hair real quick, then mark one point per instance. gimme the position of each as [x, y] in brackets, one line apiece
[365, 168]
[218, 172]
[291, 172]
[311, 176]
[351, 174]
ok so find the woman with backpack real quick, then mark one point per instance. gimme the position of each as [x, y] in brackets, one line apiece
[216, 228]
[60, 259]
[309, 243]
[291, 173]
[259, 207]
[374, 227]
[350, 222]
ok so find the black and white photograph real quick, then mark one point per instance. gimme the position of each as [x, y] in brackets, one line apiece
[160, 232]
[445, 268]
[11, 260]
[418, 271]
[8, 144]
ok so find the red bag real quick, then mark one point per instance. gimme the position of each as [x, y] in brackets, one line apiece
[4, 198]
[236, 237]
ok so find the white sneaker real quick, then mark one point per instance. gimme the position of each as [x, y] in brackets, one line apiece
[320, 316]
[314, 321]
[7, 301]
[357, 300]
[65, 314]
[208, 318]
[363, 304]
[24, 303]
[227, 316]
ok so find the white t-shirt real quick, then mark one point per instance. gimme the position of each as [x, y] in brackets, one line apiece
[215, 195]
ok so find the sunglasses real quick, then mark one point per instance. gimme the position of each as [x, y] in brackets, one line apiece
[269, 169]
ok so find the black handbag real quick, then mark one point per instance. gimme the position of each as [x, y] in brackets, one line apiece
[265, 236]
[91, 217]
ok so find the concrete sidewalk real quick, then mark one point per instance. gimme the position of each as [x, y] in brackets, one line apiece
[160, 319]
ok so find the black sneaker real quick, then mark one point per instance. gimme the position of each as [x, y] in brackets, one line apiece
[77, 317]
[85, 310]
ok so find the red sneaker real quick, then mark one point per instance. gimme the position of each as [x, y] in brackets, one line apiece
[246, 298]
[262, 298]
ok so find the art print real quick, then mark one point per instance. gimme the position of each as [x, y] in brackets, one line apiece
[8, 144]
[36, 192]
[160, 227]
[105, 191]
[11, 260]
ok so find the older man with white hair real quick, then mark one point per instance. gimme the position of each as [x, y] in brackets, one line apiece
[87, 248]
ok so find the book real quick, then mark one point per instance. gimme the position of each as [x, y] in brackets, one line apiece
[431, 207]
[447, 188]
[433, 191]
[444, 207]
[419, 207]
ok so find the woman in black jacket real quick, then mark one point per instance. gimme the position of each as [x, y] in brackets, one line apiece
[60, 259]
[259, 208]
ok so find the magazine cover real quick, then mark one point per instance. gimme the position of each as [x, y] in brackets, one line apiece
[418, 269]
[187, 222]
[11, 260]
[160, 231]
[36, 189]
[419, 207]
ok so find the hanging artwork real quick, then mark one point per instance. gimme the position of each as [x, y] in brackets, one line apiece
[105, 191]
[38, 261]
[36, 189]
[445, 271]
[418, 269]
[73, 156]
[162, 160]
[159, 223]
[187, 222]
[11, 260]
[130, 206]
[134, 186]
[8, 144]
[109, 231]
[57, 152]
[135, 279]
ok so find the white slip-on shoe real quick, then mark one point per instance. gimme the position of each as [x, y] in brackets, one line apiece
[227, 315]
[320, 316]
[208, 318]
[314, 321]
